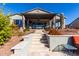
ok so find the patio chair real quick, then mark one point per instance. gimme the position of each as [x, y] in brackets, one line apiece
[69, 49]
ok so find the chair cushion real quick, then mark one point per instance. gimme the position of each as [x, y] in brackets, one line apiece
[70, 47]
[76, 39]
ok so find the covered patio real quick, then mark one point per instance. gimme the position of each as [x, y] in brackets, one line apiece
[38, 18]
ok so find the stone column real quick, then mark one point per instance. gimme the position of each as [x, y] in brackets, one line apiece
[50, 23]
[23, 19]
[58, 24]
[62, 25]
[54, 22]
[27, 23]
[47, 24]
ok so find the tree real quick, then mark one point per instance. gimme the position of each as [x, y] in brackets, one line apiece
[5, 29]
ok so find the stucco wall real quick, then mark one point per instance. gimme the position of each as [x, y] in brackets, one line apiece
[15, 17]
[56, 40]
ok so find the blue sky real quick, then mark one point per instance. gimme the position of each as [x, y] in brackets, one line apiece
[70, 10]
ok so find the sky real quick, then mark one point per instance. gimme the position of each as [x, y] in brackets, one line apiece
[70, 10]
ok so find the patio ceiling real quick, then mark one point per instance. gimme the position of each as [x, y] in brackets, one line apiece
[39, 16]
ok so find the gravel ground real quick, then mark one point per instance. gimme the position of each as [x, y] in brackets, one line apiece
[5, 50]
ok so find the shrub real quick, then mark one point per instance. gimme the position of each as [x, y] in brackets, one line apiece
[5, 29]
[54, 32]
[15, 30]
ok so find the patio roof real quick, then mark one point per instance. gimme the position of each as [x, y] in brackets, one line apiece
[38, 10]
[38, 14]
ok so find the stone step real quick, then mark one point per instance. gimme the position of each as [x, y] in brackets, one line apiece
[34, 38]
[36, 34]
[40, 47]
[36, 43]
[35, 50]
[40, 51]
[39, 54]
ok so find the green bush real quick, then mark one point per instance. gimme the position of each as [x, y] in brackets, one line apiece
[15, 29]
[5, 29]
[26, 29]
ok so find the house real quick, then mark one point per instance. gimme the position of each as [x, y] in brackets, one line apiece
[38, 18]
[74, 24]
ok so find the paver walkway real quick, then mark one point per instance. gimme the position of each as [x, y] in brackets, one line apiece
[36, 47]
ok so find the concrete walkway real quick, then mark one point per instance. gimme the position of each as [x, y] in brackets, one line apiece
[36, 47]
